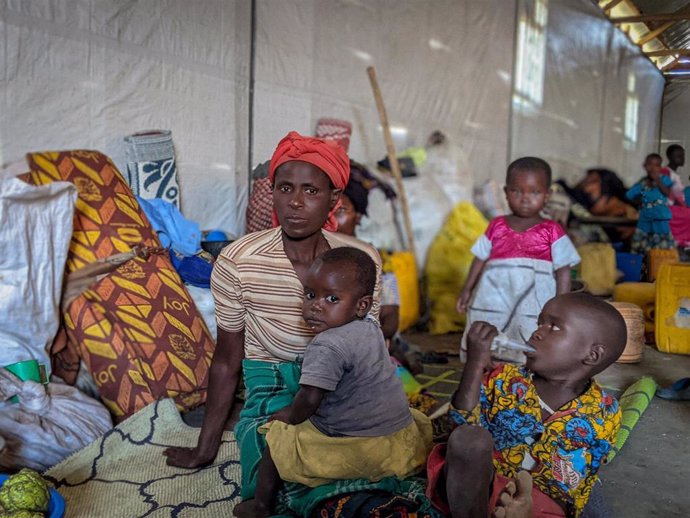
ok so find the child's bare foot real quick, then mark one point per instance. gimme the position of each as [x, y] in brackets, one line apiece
[245, 509]
[516, 499]
[249, 509]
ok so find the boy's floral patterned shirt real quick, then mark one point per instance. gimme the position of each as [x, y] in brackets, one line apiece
[564, 452]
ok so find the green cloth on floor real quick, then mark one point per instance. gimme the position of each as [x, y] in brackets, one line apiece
[633, 403]
[298, 500]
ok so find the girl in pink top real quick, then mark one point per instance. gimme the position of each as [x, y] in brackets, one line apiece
[521, 262]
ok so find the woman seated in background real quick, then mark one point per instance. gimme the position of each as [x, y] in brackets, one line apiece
[602, 193]
[354, 203]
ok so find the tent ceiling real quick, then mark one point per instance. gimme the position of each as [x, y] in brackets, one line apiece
[661, 28]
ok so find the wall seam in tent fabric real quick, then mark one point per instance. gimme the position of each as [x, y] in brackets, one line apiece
[252, 72]
[660, 135]
[602, 104]
[513, 75]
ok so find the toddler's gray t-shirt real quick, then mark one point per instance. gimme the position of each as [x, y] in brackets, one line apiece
[365, 397]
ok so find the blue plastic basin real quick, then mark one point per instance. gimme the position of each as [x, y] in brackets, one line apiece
[56, 505]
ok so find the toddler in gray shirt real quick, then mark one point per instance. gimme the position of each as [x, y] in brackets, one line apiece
[350, 419]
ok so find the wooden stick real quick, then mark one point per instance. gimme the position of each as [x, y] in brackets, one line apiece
[393, 159]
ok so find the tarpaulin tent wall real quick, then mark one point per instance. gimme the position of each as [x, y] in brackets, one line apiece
[601, 96]
[85, 73]
[675, 127]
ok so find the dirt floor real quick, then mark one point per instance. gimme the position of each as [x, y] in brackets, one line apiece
[651, 475]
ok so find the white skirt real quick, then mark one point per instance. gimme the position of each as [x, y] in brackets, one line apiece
[510, 295]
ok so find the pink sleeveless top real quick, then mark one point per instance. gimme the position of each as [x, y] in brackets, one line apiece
[533, 243]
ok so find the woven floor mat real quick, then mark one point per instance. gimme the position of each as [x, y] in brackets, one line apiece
[123, 473]
[440, 380]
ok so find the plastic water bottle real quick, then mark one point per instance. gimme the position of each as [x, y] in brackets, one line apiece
[503, 342]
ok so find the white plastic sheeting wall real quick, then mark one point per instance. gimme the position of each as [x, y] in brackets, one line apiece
[86, 73]
[675, 125]
[581, 122]
[442, 65]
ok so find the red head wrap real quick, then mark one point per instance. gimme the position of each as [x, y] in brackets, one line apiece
[326, 155]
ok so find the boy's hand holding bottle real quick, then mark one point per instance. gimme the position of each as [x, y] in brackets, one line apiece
[479, 340]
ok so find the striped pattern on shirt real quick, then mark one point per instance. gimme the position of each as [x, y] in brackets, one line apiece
[257, 290]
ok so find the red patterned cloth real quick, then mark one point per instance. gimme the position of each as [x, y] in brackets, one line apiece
[260, 206]
[337, 130]
[542, 505]
[326, 155]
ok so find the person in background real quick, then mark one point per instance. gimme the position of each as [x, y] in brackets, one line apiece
[521, 262]
[549, 418]
[676, 159]
[350, 418]
[652, 193]
[260, 202]
[354, 203]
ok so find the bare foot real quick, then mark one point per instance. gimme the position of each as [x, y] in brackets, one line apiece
[246, 509]
[516, 499]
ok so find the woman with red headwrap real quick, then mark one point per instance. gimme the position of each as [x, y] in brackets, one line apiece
[257, 288]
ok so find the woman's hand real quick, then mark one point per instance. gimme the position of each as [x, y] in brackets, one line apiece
[187, 457]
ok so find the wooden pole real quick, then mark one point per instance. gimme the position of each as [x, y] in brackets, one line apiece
[393, 159]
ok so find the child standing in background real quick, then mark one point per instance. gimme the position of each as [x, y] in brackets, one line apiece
[652, 192]
[521, 262]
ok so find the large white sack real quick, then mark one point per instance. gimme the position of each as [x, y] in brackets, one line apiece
[47, 424]
[203, 300]
[35, 232]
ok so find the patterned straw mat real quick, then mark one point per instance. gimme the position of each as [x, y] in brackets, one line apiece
[123, 473]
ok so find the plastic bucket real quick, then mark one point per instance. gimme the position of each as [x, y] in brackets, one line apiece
[56, 504]
[630, 265]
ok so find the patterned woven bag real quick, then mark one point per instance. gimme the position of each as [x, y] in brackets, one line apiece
[136, 329]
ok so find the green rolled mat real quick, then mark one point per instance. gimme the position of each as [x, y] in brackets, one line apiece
[633, 403]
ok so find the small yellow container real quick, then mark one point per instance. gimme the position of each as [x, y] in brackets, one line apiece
[598, 267]
[403, 265]
[658, 256]
[673, 308]
[642, 294]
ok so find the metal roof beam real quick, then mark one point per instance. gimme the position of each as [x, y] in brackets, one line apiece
[670, 65]
[658, 31]
[655, 33]
[643, 18]
[611, 5]
[668, 52]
